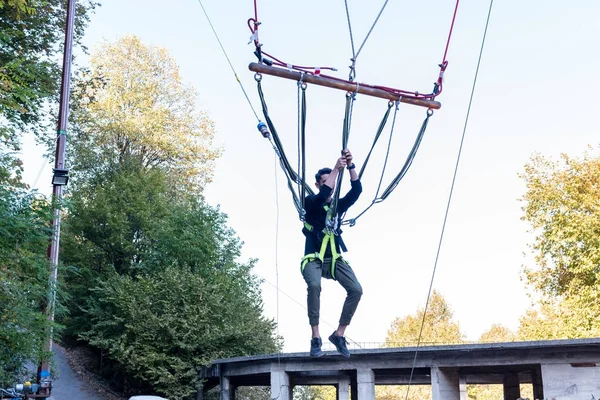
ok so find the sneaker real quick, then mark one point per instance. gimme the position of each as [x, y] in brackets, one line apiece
[340, 344]
[315, 347]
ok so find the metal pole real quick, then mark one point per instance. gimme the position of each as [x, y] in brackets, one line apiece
[57, 191]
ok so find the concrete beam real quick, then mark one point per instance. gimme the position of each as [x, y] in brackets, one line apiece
[365, 378]
[512, 390]
[280, 383]
[445, 383]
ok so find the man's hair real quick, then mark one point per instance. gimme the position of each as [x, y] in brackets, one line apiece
[321, 172]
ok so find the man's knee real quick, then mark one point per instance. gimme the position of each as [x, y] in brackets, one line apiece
[313, 287]
[355, 291]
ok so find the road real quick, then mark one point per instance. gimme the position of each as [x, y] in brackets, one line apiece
[68, 385]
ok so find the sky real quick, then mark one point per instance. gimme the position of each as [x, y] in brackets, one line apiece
[535, 93]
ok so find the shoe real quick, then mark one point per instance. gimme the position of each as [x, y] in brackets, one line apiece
[315, 347]
[340, 344]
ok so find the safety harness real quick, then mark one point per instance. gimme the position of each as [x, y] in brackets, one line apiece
[329, 234]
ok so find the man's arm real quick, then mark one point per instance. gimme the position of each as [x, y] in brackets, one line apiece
[352, 196]
[319, 199]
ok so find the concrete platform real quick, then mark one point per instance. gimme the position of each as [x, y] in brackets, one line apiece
[557, 369]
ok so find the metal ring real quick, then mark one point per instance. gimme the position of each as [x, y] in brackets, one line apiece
[390, 103]
[429, 112]
[303, 86]
[258, 77]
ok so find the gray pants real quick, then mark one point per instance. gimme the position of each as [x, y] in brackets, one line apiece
[313, 271]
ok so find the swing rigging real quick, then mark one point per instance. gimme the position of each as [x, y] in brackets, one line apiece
[271, 65]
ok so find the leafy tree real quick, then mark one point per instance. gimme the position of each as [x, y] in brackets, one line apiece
[131, 106]
[439, 327]
[24, 236]
[161, 327]
[497, 334]
[570, 318]
[562, 204]
[156, 285]
[31, 41]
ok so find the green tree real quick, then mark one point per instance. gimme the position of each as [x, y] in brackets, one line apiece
[24, 236]
[562, 205]
[161, 327]
[156, 284]
[497, 334]
[31, 40]
[439, 327]
[131, 106]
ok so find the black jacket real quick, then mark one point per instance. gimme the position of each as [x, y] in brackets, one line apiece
[316, 215]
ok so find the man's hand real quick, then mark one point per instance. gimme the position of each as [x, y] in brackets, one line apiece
[340, 164]
[348, 156]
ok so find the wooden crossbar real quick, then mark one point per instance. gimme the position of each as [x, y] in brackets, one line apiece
[342, 85]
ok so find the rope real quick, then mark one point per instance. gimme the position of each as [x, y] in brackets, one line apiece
[371, 30]
[403, 171]
[332, 215]
[377, 135]
[291, 175]
[228, 60]
[462, 140]
[302, 142]
[355, 54]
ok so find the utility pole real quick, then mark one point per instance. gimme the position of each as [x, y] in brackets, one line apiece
[59, 180]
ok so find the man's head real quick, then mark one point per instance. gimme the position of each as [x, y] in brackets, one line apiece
[321, 176]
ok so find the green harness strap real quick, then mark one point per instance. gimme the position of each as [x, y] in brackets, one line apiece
[329, 239]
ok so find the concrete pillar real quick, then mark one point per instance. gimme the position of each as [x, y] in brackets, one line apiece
[227, 389]
[365, 378]
[462, 384]
[444, 384]
[280, 383]
[343, 388]
[512, 390]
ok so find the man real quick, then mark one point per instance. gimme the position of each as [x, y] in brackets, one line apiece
[322, 252]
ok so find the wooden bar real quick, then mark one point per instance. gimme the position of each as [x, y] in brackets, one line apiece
[342, 85]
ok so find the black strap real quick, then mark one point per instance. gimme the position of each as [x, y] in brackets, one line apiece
[377, 135]
[332, 217]
[401, 174]
[291, 175]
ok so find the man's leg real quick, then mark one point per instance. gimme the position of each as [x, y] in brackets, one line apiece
[312, 276]
[345, 276]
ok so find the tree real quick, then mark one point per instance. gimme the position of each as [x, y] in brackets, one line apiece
[161, 327]
[496, 334]
[439, 327]
[24, 235]
[31, 40]
[156, 286]
[570, 318]
[562, 205]
[131, 106]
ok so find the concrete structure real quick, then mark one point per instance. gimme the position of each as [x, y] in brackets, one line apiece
[557, 370]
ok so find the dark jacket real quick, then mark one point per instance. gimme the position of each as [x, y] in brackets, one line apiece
[316, 215]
